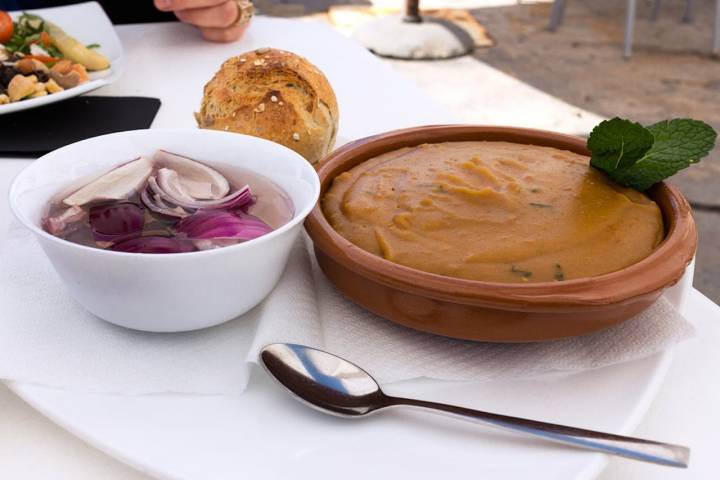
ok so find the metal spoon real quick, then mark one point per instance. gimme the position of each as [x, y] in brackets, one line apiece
[336, 386]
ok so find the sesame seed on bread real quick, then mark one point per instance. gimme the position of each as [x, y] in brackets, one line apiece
[276, 95]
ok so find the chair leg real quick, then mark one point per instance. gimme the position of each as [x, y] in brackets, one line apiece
[655, 10]
[556, 16]
[716, 30]
[629, 28]
[689, 14]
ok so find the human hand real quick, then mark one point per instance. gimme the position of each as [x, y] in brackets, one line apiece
[217, 20]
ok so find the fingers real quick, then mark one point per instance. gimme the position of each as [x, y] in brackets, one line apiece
[225, 35]
[175, 5]
[217, 16]
[214, 18]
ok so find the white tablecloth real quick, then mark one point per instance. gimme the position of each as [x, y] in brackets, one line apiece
[685, 410]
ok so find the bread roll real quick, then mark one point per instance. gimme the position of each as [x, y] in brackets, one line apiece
[275, 95]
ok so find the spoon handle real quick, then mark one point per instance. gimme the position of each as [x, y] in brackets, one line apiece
[634, 448]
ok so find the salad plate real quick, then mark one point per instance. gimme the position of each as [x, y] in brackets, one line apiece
[88, 23]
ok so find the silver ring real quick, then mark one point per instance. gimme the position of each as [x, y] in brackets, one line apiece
[246, 9]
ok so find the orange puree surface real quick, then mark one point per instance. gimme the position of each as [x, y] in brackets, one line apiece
[493, 211]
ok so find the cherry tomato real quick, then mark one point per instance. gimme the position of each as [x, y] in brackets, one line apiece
[6, 27]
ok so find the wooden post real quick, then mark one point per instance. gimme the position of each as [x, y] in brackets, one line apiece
[411, 11]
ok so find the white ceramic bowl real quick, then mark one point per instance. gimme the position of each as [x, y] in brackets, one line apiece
[166, 292]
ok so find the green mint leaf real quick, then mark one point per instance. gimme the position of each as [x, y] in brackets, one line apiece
[618, 143]
[676, 144]
[683, 138]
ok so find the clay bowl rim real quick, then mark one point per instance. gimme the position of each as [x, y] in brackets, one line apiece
[662, 268]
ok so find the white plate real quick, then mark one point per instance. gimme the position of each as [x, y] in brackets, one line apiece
[88, 23]
[265, 434]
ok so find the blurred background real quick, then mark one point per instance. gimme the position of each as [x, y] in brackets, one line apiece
[521, 73]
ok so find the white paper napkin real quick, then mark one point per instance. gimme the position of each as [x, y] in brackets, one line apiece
[47, 338]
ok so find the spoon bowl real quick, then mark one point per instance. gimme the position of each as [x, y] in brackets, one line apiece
[336, 386]
[322, 380]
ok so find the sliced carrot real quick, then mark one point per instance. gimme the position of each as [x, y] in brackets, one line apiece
[43, 58]
[45, 39]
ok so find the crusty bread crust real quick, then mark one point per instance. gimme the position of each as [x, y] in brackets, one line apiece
[276, 95]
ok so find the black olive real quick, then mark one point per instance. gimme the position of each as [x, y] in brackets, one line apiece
[7, 74]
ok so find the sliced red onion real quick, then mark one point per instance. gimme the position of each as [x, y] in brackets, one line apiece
[221, 224]
[116, 222]
[245, 207]
[238, 199]
[117, 184]
[155, 203]
[154, 245]
[66, 221]
[214, 243]
[169, 180]
[198, 180]
[234, 200]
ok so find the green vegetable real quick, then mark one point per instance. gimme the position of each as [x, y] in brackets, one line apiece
[32, 39]
[53, 51]
[93, 45]
[26, 29]
[639, 157]
[30, 22]
[15, 43]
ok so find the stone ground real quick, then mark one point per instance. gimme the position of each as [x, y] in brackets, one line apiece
[670, 75]
[568, 80]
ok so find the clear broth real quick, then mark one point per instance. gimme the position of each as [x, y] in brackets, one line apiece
[272, 205]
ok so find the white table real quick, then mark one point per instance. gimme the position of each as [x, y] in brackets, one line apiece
[685, 411]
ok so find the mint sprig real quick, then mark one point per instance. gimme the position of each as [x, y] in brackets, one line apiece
[639, 157]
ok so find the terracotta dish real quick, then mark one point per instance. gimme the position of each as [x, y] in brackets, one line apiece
[487, 311]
